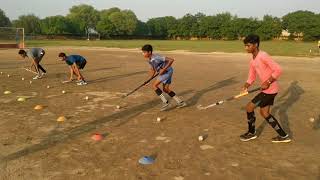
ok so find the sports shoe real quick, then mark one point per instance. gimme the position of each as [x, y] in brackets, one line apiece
[165, 106]
[80, 83]
[248, 136]
[181, 104]
[37, 77]
[280, 139]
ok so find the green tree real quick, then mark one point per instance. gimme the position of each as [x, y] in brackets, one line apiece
[57, 25]
[222, 25]
[85, 16]
[141, 29]
[4, 20]
[186, 26]
[246, 26]
[164, 27]
[30, 23]
[125, 22]
[108, 12]
[270, 28]
[105, 27]
[304, 22]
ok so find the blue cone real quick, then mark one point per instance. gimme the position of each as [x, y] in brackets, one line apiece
[146, 160]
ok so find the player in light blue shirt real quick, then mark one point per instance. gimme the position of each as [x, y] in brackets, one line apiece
[163, 66]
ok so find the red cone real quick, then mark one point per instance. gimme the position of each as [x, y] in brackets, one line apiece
[97, 137]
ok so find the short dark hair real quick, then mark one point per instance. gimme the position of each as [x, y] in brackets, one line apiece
[147, 48]
[62, 54]
[253, 39]
[21, 51]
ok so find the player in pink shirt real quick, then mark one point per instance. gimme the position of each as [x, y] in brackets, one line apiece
[268, 71]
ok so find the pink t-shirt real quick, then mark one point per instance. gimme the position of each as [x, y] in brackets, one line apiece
[264, 67]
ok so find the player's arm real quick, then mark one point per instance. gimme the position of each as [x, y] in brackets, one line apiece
[32, 66]
[251, 78]
[168, 62]
[276, 72]
[152, 72]
[71, 73]
[35, 64]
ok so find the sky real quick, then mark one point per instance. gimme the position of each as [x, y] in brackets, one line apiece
[146, 9]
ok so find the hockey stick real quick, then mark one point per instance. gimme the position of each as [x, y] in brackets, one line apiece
[228, 99]
[146, 82]
[27, 69]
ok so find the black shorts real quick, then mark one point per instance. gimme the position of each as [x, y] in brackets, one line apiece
[263, 99]
[82, 64]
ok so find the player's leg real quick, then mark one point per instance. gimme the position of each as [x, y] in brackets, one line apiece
[155, 87]
[166, 89]
[251, 118]
[35, 63]
[274, 123]
[39, 60]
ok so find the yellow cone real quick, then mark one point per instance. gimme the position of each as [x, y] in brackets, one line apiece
[38, 107]
[61, 119]
[7, 92]
[21, 99]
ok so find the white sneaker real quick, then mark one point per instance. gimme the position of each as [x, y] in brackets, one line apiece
[37, 77]
[181, 104]
[165, 106]
[82, 83]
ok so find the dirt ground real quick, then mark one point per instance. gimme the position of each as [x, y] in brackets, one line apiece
[33, 145]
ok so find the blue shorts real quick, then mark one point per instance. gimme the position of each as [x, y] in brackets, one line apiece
[166, 77]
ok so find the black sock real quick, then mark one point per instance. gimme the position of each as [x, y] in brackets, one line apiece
[176, 98]
[171, 94]
[251, 122]
[275, 125]
[159, 93]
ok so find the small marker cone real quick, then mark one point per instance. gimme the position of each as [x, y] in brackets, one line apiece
[61, 119]
[97, 137]
[21, 99]
[7, 92]
[145, 160]
[38, 107]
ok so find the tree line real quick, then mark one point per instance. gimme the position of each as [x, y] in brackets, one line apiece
[114, 22]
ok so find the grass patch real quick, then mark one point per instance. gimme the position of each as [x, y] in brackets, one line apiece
[280, 48]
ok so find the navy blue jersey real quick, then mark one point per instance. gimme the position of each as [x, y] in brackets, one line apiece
[75, 59]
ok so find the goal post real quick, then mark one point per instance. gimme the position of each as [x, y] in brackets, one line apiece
[12, 37]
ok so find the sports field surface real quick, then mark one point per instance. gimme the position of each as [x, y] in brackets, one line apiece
[33, 145]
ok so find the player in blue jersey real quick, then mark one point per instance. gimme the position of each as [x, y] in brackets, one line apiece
[163, 66]
[75, 62]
